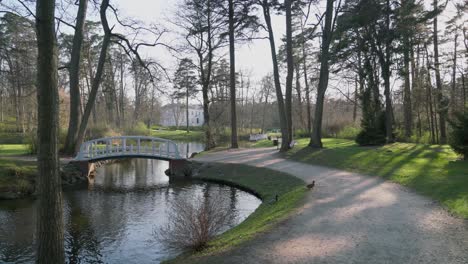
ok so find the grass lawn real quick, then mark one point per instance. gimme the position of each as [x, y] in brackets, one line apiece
[14, 149]
[433, 170]
[179, 135]
[266, 183]
[16, 176]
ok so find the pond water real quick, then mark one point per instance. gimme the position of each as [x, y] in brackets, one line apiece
[115, 218]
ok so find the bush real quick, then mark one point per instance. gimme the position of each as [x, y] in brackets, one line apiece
[373, 132]
[193, 223]
[31, 141]
[458, 138]
[425, 138]
[348, 132]
[140, 129]
[100, 131]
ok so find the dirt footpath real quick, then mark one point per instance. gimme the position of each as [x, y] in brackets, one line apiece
[350, 218]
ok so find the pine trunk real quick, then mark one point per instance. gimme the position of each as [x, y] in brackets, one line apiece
[50, 234]
[316, 137]
[232, 76]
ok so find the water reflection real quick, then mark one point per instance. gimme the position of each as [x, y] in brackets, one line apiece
[186, 149]
[112, 222]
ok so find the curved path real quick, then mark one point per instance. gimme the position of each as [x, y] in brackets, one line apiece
[349, 218]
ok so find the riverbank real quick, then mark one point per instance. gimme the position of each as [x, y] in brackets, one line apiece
[263, 182]
[17, 178]
[348, 218]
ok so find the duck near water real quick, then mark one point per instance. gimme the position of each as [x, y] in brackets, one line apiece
[310, 186]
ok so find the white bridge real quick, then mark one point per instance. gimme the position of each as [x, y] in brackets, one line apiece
[128, 146]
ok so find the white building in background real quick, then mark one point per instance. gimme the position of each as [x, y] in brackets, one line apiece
[175, 115]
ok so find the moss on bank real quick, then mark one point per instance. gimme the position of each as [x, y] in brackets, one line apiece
[16, 178]
[263, 182]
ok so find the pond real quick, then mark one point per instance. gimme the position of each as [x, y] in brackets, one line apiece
[115, 218]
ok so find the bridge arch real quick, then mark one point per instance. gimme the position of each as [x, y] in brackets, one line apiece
[128, 146]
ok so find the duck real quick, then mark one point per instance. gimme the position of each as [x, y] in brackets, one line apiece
[310, 186]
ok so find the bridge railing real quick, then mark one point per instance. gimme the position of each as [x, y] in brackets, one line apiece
[128, 146]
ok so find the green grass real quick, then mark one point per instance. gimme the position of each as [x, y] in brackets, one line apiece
[265, 183]
[17, 176]
[14, 149]
[432, 170]
[179, 135]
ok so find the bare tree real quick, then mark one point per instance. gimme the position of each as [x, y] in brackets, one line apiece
[74, 70]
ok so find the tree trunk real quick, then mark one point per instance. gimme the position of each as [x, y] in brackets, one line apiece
[407, 109]
[187, 108]
[316, 137]
[440, 96]
[279, 93]
[299, 96]
[206, 80]
[50, 234]
[74, 72]
[429, 99]
[97, 77]
[232, 76]
[454, 76]
[290, 69]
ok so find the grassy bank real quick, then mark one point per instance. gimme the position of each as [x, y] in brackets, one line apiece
[433, 170]
[14, 149]
[179, 135]
[16, 178]
[266, 183]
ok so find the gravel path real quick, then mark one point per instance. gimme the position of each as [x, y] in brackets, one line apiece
[349, 218]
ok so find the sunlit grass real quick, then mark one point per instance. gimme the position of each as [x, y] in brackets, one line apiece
[179, 135]
[14, 149]
[432, 170]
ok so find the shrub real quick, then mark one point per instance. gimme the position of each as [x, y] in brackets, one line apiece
[31, 141]
[425, 138]
[100, 131]
[458, 138]
[373, 132]
[348, 132]
[193, 223]
[140, 129]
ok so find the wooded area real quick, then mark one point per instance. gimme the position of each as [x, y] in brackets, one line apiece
[378, 71]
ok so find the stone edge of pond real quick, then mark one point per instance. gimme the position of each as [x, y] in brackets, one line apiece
[195, 257]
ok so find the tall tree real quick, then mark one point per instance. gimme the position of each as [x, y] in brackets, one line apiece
[290, 69]
[327, 35]
[232, 76]
[203, 28]
[185, 83]
[97, 76]
[74, 71]
[266, 7]
[50, 232]
[441, 101]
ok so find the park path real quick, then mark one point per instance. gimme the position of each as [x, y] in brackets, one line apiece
[349, 218]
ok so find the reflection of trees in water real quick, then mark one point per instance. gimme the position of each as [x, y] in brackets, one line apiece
[82, 245]
[132, 174]
[17, 231]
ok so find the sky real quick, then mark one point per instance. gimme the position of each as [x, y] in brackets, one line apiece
[254, 57]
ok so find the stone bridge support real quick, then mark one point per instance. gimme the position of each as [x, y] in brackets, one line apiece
[179, 168]
[85, 167]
